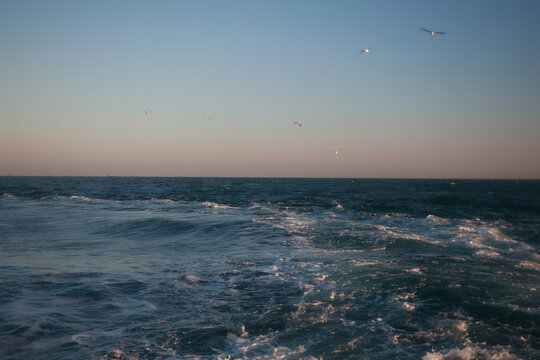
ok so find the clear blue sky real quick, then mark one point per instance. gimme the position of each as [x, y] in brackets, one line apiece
[75, 76]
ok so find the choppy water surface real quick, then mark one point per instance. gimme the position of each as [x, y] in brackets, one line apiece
[167, 268]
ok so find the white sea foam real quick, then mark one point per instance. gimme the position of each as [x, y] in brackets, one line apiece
[408, 306]
[192, 278]
[357, 262]
[214, 205]
[337, 205]
[489, 240]
[405, 296]
[358, 251]
[404, 301]
[261, 348]
[6, 196]
[525, 264]
[437, 220]
[115, 354]
[465, 229]
[487, 253]
[257, 206]
[404, 232]
[293, 223]
[163, 201]
[471, 353]
[81, 198]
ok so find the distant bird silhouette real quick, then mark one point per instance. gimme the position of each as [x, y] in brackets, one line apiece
[206, 118]
[337, 152]
[365, 50]
[147, 112]
[298, 123]
[431, 32]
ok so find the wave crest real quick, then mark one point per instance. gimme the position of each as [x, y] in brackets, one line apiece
[471, 353]
[214, 205]
[6, 196]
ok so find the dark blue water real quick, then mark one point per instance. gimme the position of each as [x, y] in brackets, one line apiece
[199, 268]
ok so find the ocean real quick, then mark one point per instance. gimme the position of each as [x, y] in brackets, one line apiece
[262, 268]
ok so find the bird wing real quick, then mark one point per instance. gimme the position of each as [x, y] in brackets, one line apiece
[439, 32]
[426, 30]
[363, 50]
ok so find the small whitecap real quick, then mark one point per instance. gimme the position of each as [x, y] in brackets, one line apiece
[487, 253]
[409, 306]
[356, 262]
[472, 352]
[192, 278]
[6, 196]
[437, 220]
[80, 198]
[214, 205]
[525, 264]
[115, 354]
[461, 326]
[465, 229]
[414, 271]
[404, 299]
[163, 201]
[337, 205]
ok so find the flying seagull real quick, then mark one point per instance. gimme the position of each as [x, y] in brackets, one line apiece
[297, 123]
[365, 50]
[147, 112]
[205, 118]
[336, 152]
[431, 32]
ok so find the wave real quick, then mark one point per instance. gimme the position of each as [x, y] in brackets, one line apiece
[351, 231]
[163, 201]
[83, 198]
[214, 205]
[437, 220]
[6, 196]
[335, 227]
[152, 227]
[76, 199]
[337, 205]
[472, 352]
[489, 240]
[260, 347]
[122, 204]
[532, 265]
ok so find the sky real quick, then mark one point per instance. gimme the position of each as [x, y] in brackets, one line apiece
[75, 77]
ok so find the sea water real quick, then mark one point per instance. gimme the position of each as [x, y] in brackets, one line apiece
[238, 268]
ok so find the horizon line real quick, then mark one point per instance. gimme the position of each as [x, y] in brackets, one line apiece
[280, 177]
